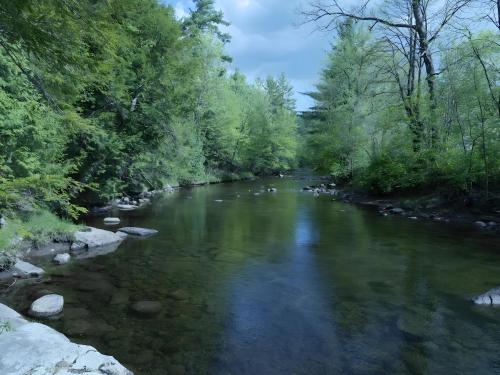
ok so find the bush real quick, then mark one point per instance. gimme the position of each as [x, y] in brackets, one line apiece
[383, 175]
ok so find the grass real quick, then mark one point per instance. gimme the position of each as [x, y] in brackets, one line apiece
[43, 227]
[5, 327]
[39, 227]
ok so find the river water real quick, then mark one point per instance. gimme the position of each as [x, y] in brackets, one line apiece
[283, 283]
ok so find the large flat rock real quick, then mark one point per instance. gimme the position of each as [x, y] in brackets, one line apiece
[33, 348]
[135, 231]
[25, 269]
[94, 237]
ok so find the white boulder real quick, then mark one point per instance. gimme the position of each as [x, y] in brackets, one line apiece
[62, 258]
[111, 220]
[94, 237]
[24, 269]
[34, 348]
[47, 306]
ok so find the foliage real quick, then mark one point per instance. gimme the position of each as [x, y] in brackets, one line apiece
[101, 98]
[43, 226]
[363, 126]
[5, 327]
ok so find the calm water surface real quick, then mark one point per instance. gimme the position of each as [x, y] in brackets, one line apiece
[283, 283]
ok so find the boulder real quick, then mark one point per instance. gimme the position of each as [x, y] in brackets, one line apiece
[2, 221]
[97, 237]
[272, 190]
[47, 306]
[34, 348]
[24, 269]
[146, 307]
[123, 235]
[126, 207]
[135, 231]
[62, 258]
[111, 220]
[491, 297]
[7, 313]
[397, 211]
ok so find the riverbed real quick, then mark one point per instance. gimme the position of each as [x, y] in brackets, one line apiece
[254, 282]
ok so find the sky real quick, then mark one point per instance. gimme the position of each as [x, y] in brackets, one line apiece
[267, 39]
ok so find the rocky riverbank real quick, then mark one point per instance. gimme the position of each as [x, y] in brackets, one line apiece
[425, 207]
[34, 348]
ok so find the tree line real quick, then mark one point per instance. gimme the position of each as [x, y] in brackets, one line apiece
[409, 98]
[98, 98]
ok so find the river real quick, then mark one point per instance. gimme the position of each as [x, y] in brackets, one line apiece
[283, 283]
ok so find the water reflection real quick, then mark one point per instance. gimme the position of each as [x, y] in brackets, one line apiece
[279, 311]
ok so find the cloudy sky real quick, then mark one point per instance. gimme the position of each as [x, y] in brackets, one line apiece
[268, 41]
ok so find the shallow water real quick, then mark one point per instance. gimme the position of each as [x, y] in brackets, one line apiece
[283, 283]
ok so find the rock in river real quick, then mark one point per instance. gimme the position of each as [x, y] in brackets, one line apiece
[111, 220]
[62, 258]
[94, 237]
[135, 231]
[34, 348]
[147, 307]
[47, 306]
[25, 269]
[491, 297]
[126, 207]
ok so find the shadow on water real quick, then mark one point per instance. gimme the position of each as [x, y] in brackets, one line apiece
[282, 283]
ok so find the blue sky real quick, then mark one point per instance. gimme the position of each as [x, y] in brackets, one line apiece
[267, 41]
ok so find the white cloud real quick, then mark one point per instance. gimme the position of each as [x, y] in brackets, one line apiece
[265, 41]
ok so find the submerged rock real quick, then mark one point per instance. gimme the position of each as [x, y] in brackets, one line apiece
[147, 307]
[62, 258]
[96, 238]
[491, 297]
[24, 269]
[138, 231]
[47, 306]
[34, 348]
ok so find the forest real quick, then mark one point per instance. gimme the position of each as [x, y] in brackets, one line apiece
[409, 99]
[104, 98]
[100, 98]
